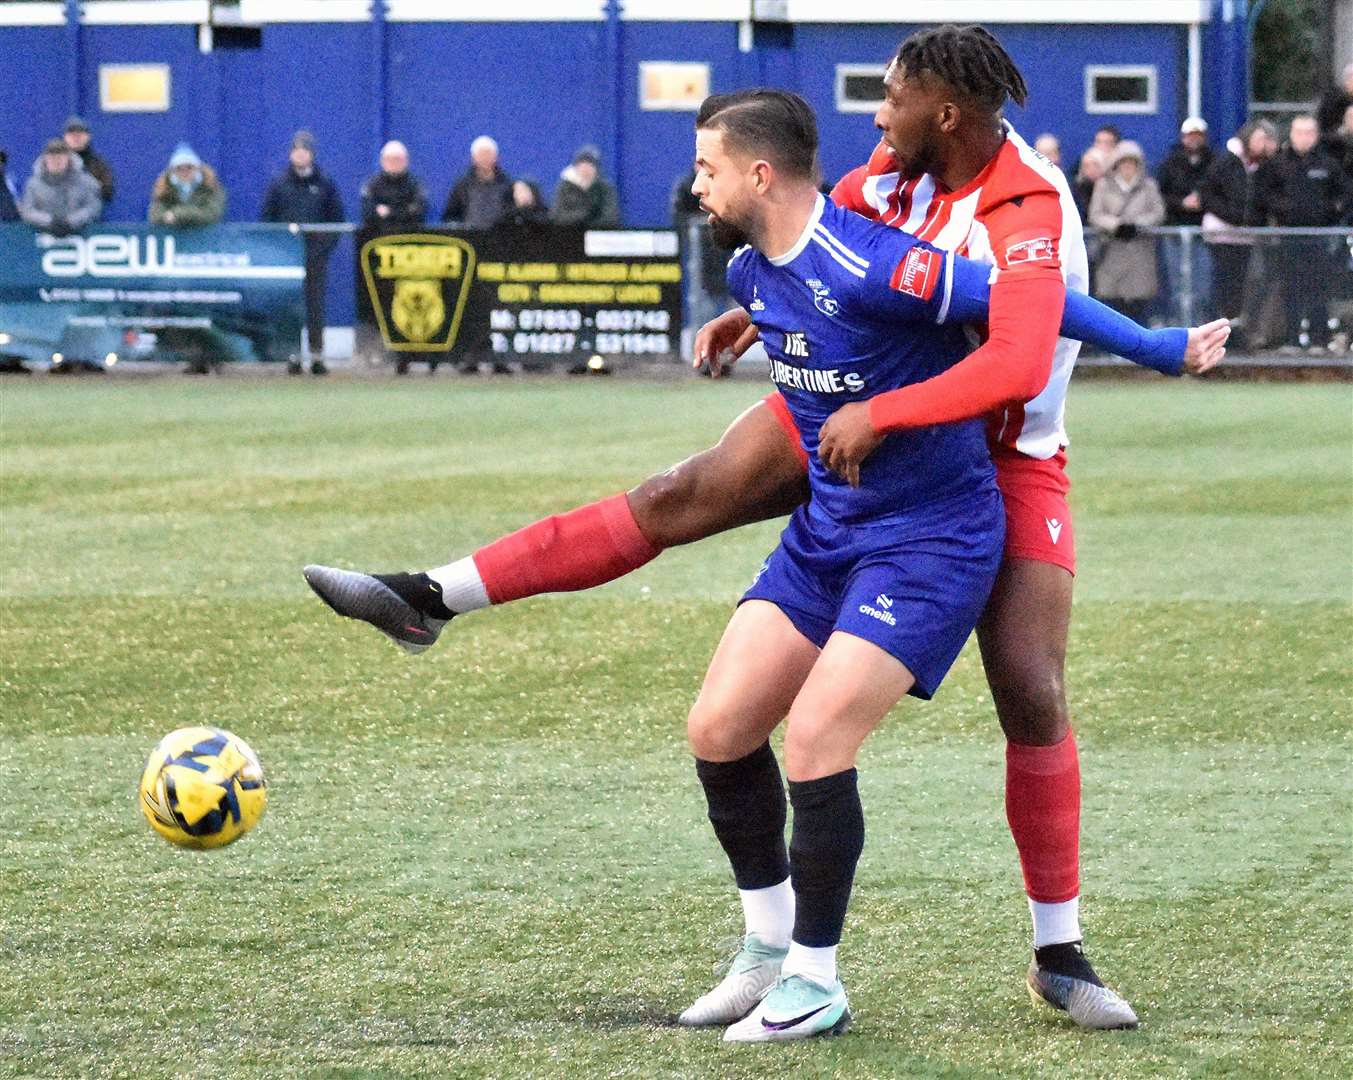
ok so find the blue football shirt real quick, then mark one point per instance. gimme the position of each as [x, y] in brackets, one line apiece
[854, 309]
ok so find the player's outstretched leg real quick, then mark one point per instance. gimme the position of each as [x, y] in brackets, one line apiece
[754, 472]
[1023, 636]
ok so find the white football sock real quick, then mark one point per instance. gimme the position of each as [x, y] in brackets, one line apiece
[769, 913]
[816, 964]
[462, 587]
[1056, 923]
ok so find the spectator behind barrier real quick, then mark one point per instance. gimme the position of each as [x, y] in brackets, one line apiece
[584, 197]
[1335, 102]
[1304, 186]
[1339, 143]
[1181, 174]
[394, 198]
[9, 198]
[707, 294]
[1124, 202]
[77, 138]
[303, 194]
[482, 196]
[60, 197]
[528, 207]
[1228, 200]
[1100, 153]
[188, 193]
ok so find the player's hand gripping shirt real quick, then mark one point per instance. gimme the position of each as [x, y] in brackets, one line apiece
[849, 312]
[1018, 215]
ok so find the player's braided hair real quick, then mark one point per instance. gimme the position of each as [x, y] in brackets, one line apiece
[969, 60]
[776, 124]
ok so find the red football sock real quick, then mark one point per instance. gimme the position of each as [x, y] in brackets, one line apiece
[1043, 806]
[584, 548]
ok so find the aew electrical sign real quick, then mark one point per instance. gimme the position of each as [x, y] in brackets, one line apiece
[148, 255]
[225, 292]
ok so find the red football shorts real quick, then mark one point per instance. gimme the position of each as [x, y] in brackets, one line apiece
[1037, 514]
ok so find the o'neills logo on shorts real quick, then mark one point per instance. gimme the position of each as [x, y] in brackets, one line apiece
[881, 612]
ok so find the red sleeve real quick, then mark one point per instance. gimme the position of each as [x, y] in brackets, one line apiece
[1014, 363]
[849, 191]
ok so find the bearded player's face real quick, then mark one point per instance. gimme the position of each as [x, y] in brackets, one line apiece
[723, 186]
[909, 121]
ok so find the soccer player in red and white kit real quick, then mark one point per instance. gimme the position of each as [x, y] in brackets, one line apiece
[949, 170]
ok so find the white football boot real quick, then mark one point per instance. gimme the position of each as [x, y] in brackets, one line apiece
[795, 1008]
[750, 976]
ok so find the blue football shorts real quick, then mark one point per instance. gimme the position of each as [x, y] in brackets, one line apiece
[914, 585]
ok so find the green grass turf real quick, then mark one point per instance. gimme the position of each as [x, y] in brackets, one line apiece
[493, 860]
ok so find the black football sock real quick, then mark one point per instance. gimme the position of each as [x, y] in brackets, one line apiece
[747, 809]
[824, 847]
[419, 591]
[1067, 958]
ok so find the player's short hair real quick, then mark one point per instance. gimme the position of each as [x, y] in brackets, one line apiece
[967, 59]
[773, 124]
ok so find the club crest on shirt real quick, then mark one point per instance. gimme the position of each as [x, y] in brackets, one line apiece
[1039, 249]
[822, 298]
[757, 303]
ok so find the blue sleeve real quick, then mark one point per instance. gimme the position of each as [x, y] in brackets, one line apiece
[907, 280]
[1083, 318]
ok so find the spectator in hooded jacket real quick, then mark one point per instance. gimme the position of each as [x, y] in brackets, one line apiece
[483, 195]
[60, 197]
[1335, 102]
[1304, 187]
[188, 193]
[584, 197]
[394, 198]
[304, 195]
[9, 198]
[1125, 202]
[77, 138]
[1228, 202]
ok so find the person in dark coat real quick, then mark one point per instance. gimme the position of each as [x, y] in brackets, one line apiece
[584, 197]
[303, 194]
[9, 197]
[528, 205]
[1227, 201]
[1181, 179]
[394, 198]
[77, 138]
[1334, 102]
[483, 195]
[703, 263]
[1305, 186]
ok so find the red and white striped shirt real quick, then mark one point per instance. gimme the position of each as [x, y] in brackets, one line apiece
[1018, 215]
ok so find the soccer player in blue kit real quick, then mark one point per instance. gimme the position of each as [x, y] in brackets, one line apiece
[876, 583]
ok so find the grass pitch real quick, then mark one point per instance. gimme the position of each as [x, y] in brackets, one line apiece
[493, 860]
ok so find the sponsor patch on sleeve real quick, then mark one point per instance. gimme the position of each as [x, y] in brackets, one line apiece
[1032, 250]
[918, 273]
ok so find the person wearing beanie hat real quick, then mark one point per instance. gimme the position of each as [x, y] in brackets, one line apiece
[188, 193]
[584, 198]
[302, 194]
[77, 137]
[1125, 201]
[60, 197]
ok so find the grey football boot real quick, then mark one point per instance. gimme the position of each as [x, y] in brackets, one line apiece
[370, 599]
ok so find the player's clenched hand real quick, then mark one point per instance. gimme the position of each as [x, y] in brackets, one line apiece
[1206, 347]
[846, 439]
[722, 341]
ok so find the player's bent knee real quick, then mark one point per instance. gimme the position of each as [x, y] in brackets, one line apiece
[667, 507]
[1031, 704]
[716, 735]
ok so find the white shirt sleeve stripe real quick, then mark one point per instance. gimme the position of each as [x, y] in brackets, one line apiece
[849, 266]
[863, 264]
[948, 287]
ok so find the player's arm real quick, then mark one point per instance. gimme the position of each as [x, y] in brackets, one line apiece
[1024, 322]
[1171, 350]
